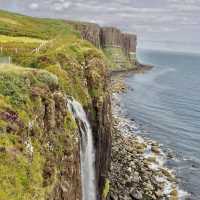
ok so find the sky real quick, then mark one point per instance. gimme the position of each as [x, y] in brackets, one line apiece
[159, 24]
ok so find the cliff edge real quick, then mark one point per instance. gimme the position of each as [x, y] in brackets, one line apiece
[119, 47]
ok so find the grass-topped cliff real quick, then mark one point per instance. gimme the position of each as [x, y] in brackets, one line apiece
[49, 44]
[39, 140]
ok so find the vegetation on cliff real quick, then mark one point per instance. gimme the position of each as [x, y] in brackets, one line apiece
[39, 148]
[119, 48]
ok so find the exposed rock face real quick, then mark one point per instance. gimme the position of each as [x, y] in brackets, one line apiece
[90, 32]
[120, 46]
[101, 120]
[129, 43]
[68, 186]
[111, 37]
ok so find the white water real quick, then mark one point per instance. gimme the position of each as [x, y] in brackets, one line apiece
[87, 152]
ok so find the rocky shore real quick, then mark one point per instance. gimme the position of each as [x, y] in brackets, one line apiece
[137, 165]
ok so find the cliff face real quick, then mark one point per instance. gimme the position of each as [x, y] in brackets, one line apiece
[129, 43]
[39, 140]
[89, 31]
[119, 47]
[101, 120]
[37, 127]
[113, 37]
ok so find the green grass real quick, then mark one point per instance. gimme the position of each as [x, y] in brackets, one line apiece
[117, 58]
[16, 83]
[8, 39]
[106, 188]
[20, 179]
[21, 174]
[67, 65]
[21, 25]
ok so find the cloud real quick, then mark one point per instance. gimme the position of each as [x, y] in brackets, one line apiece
[185, 8]
[66, 4]
[34, 6]
[60, 5]
[145, 17]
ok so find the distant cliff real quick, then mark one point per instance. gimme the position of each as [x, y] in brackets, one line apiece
[119, 47]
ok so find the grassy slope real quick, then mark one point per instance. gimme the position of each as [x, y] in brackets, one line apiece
[118, 59]
[72, 63]
[64, 55]
[20, 175]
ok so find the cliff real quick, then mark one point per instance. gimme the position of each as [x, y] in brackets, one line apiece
[39, 139]
[88, 31]
[119, 47]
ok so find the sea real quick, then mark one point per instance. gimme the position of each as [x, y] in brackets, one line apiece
[165, 103]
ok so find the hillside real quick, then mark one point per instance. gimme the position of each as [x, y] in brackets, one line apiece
[39, 144]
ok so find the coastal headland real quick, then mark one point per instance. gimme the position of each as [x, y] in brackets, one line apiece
[44, 65]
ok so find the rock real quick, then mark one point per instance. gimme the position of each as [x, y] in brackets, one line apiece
[159, 193]
[149, 187]
[140, 151]
[152, 159]
[89, 31]
[136, 195]
[155, 149]
[174, 194]
[121, 46]
[130, 169]
[129, 184]
[113, 197]
[2, 149]
[166, 173]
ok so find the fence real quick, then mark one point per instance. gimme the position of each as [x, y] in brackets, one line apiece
[5, 60]
[4, 48]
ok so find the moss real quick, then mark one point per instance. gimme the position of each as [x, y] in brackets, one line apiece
[14, 88]
[106, 189]
[117, 58]
[4, 102]
[3, 125]
[70, 123]
[7, 140]
[20, 178]
[70, 84]
[16, 83]
[24, 116]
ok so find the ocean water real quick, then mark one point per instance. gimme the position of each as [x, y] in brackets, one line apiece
[165, 102]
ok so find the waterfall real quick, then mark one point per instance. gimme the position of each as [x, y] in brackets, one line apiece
[87, 152]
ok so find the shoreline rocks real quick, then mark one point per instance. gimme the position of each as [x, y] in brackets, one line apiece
[137, 164]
